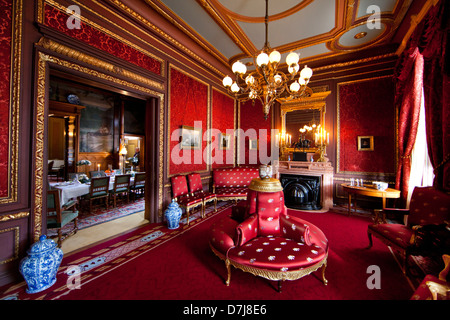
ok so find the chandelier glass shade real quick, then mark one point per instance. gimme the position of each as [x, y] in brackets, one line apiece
[267, 83]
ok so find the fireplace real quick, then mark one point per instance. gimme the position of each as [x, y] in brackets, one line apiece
[301, 191]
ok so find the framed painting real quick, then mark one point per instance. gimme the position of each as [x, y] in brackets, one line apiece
[224, 141]
[365, 143]
[191, 138]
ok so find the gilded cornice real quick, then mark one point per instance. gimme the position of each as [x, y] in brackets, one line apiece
[106, 66]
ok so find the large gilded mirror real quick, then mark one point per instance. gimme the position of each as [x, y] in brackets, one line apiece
[300, 120]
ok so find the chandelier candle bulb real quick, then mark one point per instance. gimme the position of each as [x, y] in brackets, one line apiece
[235, 87]
[292, 59]
[306, 73]
[295, 86]
[274, 57]
[239, 68]
[278, 79]
[262, 59]
[293, 69]
[227, 81]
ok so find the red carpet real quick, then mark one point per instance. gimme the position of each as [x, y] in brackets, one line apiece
[179, 265]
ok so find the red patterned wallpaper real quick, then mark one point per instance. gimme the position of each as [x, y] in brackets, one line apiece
[252, 117]
[188, 104]
[222, 120]
[366, 108]
[57, 20]
[5, 71]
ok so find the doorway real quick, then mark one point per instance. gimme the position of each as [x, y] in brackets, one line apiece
[89, 121]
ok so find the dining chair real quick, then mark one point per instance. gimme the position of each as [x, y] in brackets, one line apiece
[138, 185]
[98, 190]
[121, 186]
[59, 215]
[180, 193]
[196, 189]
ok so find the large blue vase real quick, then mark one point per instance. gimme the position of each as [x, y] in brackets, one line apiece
[39, 268]
[173, 215]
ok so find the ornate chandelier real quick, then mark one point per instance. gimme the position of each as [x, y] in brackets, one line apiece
[268, 83]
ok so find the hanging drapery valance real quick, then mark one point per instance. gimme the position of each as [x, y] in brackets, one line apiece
[425, 62]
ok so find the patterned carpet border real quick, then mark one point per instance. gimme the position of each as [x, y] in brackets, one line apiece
[98, 216]
[91, 264]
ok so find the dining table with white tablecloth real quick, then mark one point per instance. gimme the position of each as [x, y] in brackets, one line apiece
[74, 189]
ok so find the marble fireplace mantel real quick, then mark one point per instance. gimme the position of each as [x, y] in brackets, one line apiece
[306, 168]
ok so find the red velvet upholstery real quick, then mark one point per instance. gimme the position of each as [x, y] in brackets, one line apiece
[181, 193]
[196, 189]
[428, 206]
[269, 243]
[232, 183]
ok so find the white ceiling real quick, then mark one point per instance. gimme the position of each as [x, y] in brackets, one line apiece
[317, 29]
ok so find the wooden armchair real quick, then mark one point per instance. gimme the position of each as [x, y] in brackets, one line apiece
[59, 215]
[121, 186]
[98, 190]
[138, 186]
[428, 207]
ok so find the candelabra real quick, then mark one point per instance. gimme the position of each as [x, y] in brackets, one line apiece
[284, 142]
[322, 139]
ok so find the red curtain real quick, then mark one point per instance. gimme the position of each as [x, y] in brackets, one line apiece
[425, 62]
[408, 98]
[434, 45]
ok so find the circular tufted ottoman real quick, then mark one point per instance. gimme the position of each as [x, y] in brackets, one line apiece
[260, 238]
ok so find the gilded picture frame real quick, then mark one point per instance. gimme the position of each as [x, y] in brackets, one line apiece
[224, 141]
[365, 143]
[191, 138]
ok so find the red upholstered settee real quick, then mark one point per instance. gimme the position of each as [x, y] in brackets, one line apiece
[232, 183]
[269, 243]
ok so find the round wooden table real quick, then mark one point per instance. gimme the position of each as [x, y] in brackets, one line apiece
[389, 193]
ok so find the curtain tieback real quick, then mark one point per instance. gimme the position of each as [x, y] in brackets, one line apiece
[447, 157]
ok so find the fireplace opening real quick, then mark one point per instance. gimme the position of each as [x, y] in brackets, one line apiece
[301, 192]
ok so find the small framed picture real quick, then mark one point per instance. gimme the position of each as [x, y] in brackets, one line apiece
[224, 141]
[191, 138]
[253, 144]
[365, 143]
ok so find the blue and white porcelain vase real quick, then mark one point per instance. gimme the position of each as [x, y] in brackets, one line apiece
[39, 268]
[173, 215]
